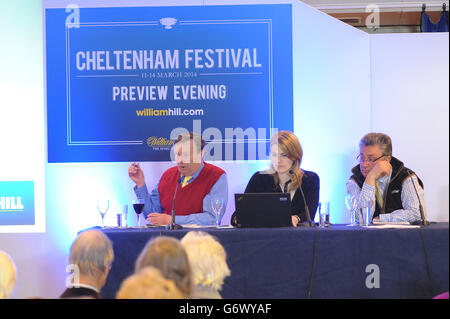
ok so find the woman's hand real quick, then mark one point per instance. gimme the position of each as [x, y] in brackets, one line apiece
[295, 220]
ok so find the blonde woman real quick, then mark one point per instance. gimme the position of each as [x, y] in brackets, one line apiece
[8, 276]
[148, 283]
[285, 175]
[208, 261]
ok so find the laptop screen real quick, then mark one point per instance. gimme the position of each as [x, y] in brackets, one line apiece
[263, 210]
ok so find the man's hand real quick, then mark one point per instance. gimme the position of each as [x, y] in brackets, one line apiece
[159, 219]
[136, 174]
[380, 169]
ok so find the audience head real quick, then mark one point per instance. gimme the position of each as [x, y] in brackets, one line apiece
[148, 283]
[373, 147]
[286, 156]
[92, 252]
[188, 151]
[168, 255]
[208, 259]
[8, 276]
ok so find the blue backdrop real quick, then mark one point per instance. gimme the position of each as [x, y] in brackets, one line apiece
[120, 81]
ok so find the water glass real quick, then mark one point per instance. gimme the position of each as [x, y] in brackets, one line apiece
[122, 211]
[217, 206]
[364, 218]
[324, 214]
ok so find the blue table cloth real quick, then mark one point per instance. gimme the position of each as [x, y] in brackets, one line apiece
[312, 262]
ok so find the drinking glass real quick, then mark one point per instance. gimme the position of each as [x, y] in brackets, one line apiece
[138, 207]
[102, 207]
[324, 214]
[217, 206]
[122, 211]
[352, 205]
[365, 214]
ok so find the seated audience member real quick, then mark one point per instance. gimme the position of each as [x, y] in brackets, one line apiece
[148, 283]
[383, 180]
[208, 261]
[8, 276]
[285, 175]
[91, 255]
[169, 257]
[196, 183]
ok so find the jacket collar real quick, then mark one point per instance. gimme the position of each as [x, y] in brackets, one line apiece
[397, 167]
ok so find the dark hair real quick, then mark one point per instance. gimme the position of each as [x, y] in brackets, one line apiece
[198, 141]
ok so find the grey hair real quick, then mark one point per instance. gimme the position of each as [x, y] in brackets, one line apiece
[380, 139]
[92, 252]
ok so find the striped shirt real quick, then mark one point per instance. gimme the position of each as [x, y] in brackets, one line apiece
[410, 211]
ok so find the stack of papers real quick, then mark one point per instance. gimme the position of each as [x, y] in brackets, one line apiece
[206, 226]
[392, 225]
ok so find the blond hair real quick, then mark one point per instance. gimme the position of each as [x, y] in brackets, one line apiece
[208, 259]
[8, 275]
[168, 255]
[289, 144]
[148, 283]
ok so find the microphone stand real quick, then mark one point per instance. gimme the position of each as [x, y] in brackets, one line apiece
[423, 220]
[309, 222]
[172, 225]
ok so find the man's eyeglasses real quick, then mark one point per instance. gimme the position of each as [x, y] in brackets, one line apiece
[370, 160]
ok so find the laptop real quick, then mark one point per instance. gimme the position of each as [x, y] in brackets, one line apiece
[263, 210]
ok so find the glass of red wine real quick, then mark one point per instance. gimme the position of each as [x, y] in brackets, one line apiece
[138, 207]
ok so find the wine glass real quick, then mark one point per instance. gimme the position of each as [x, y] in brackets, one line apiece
[352, 205]
[102, 207]
[217, 206]
[138, 208]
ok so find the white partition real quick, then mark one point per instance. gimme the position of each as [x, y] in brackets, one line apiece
[22, 135]
[410, 103]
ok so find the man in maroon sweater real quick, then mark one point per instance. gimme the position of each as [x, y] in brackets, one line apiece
[195, 181]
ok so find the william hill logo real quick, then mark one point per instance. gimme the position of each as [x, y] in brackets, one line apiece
[11, 203]
[153, 141]
[17, 203]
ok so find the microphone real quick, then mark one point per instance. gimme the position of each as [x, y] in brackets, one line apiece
[422, 220]
[308, 216]
[172, 225]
